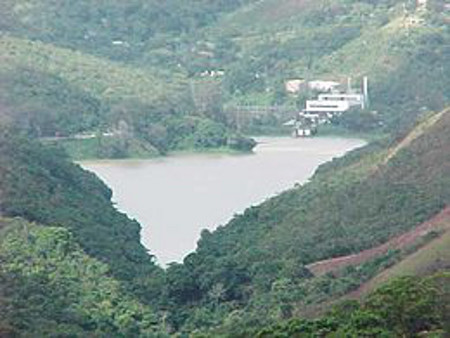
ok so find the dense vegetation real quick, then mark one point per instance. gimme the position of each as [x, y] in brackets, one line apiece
[51, 288]
[122, 111]
[142, 26]
[115, 79]
[154, 73]
[258, 261]
[251, 273]
[405, 307]
[42, 185]
[338, 39]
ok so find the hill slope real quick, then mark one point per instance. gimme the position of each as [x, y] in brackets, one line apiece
[433, 257]
[246, 275]
[50, 287]
[80, 67]
[69, 92]
[352, 204]
[121, 110]
[404, 55]
[42, 185]
[93, 27]
[256, 46]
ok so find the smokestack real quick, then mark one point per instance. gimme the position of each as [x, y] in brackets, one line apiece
[349, 85]
[366, 91]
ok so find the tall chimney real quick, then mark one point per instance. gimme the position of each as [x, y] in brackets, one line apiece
[349, 85]
[366, 91]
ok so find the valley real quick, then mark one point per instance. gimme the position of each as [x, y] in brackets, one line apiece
[306, 237]
[207, 190]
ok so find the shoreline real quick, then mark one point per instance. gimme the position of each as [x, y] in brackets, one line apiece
[84, 150]
[174, 154]
[261, 141]
[208, 191]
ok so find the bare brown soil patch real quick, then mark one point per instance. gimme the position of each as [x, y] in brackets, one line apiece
[439, 222]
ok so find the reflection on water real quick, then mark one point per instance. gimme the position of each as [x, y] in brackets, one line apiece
[175, 198]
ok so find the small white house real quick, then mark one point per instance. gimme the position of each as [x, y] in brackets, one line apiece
[422, 4]
[293, 86]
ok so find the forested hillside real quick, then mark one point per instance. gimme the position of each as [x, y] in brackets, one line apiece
[66, 92]
[144, 27]
[77, 68]
[259, 262]
[401, 48]
[156, 73]
[50, 287]
[121, 110]
[114, 79]
[42, 185]
[407, 307]
[71, 263]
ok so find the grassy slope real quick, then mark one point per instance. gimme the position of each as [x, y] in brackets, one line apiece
[432, 258]
[55, 91]
[105, 81]
[372, 52]
[404, 242]
[266, 15]
[428, 259]
[282, 24]
[424, 128]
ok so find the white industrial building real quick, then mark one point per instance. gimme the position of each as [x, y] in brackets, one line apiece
[323, 86]
[328, 105]
[351, 99]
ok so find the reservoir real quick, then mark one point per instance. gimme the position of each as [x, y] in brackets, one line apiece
[174, 198]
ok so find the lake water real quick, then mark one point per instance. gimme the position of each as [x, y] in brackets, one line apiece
[175, 198]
